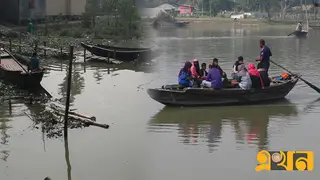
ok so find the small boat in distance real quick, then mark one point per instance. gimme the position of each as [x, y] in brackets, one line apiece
[303, 33]
[164, 24]
[181, 23]
[171, 95]
[119, 53]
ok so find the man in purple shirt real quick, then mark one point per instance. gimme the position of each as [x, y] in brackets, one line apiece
[214, 78]
[265, 54]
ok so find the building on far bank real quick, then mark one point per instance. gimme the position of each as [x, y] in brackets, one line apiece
[19, 11]
[186, 10]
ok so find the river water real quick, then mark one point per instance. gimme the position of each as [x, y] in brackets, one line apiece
[147, 140]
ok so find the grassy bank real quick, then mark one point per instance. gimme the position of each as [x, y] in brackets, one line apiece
[62, 34]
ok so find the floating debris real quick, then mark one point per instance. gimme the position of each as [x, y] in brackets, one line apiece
[49, 116]
[51, 120]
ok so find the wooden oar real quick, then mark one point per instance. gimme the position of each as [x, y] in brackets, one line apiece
[291, 33]
[45, 91]
[305, 81]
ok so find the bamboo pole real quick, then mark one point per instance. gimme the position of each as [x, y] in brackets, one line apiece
[10, 107]
[66, 148]
[108, 57]
[60, 109]
[20, 43]
[36, 46]
[10, 45]
[82, 120]
[45, 48]
[84, 54]
[68, 93]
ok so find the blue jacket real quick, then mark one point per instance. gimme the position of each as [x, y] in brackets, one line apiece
[215, 77]
[34, 63]
[184, 80]
[266, 53]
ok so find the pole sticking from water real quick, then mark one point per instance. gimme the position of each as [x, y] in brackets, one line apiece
[68, 94]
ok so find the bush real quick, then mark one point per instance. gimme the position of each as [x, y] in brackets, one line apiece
[12, 34]
[64, 32]
[76, 33]
[86, 20]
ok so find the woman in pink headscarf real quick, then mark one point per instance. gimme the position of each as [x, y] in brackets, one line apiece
[195, 72]
[195, 69]
[255, 76]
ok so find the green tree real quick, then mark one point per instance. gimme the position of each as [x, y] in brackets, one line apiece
[117, 17]
[215, 6]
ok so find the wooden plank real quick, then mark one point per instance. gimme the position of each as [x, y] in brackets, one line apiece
[11, 65]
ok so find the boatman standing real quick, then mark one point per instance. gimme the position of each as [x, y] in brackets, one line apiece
[34, 63]
[265, 54]
[299, 27]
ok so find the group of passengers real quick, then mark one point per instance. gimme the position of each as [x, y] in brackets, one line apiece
[191, 75]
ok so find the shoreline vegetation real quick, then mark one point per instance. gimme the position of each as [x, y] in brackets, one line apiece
[112, 22]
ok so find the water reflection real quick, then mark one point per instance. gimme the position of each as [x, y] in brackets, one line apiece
[4, 137]
[109, 68]
[313, 106]
[197, 125]
[4, 153]
[77, 84]
[231, 31]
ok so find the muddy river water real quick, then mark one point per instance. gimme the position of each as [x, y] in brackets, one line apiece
[147, 140]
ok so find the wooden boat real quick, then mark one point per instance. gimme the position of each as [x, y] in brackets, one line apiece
[181, 23]
[172, 96]
[119, 53]
[157, 24]
[14, 72]
[301, 33]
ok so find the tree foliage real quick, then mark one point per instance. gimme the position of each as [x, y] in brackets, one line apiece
[115, 16]
[215, 6]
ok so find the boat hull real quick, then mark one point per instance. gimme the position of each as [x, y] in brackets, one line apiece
[181, 24]
[301, 33]
[20, 79]
[119, 53]
[230, 96]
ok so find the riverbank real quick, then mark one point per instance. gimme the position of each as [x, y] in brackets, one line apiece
[264, 22]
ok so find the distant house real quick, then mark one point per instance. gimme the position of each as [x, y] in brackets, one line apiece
[153, 12]
[17, 11]
[186, 9]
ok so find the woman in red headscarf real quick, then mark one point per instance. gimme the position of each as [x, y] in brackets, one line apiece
[195, 71]
[255, 76]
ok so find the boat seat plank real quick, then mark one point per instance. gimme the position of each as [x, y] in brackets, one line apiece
[11, 65]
